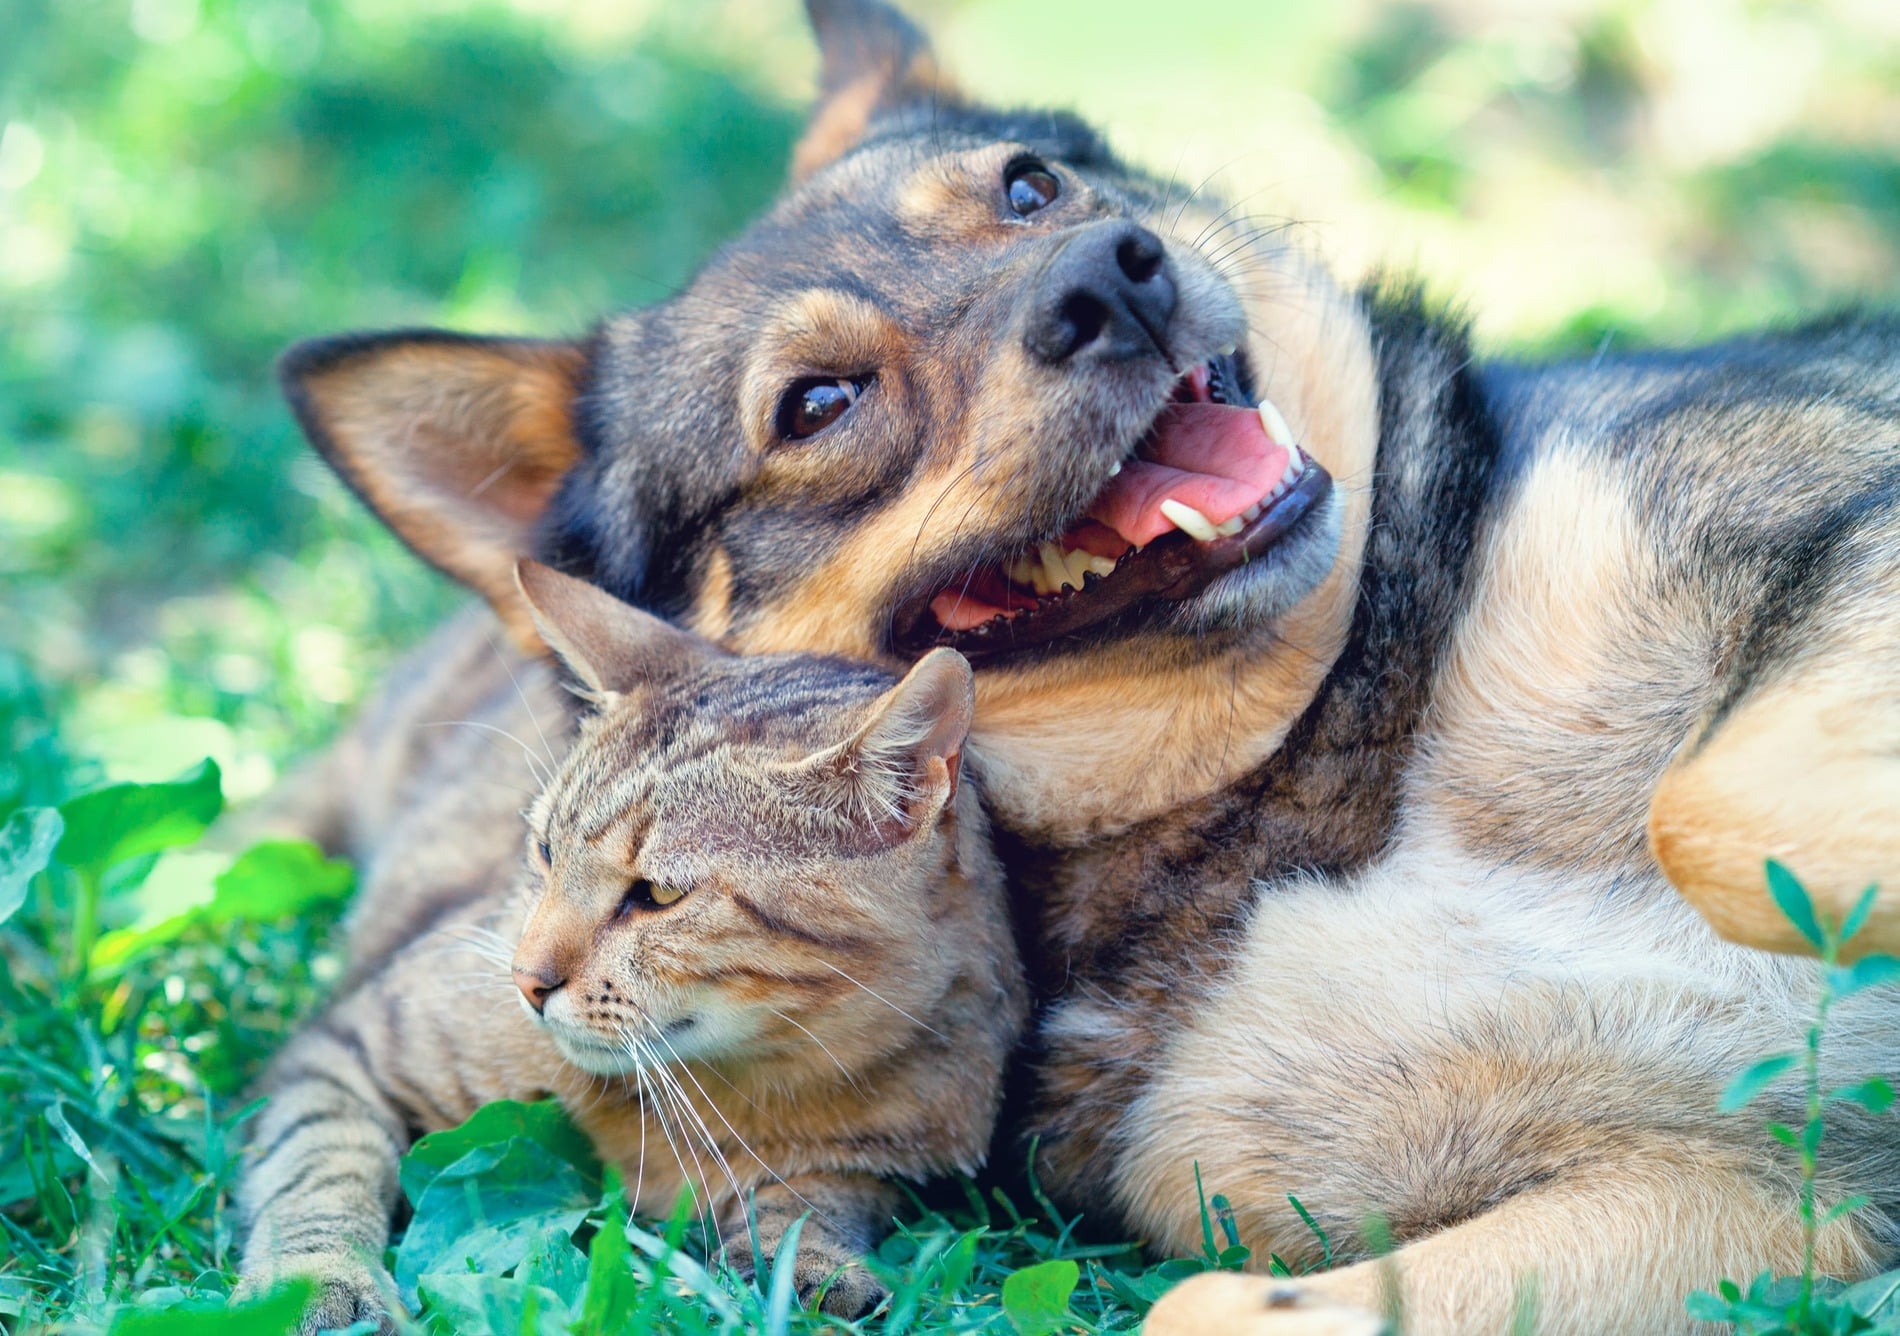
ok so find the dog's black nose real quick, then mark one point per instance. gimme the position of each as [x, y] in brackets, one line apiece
[1109, 292]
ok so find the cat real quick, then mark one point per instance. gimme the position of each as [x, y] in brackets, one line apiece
[729, 846]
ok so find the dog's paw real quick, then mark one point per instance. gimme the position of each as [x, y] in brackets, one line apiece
[829, 1273]
[1224, 1304]
[349, 1290]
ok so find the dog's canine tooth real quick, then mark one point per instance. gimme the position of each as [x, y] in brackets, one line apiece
[1226, 350]
[1054, 568]
[1189, 521]
[1275, 425]
[1116, 469]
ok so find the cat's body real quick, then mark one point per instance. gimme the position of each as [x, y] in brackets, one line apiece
[716, 1041]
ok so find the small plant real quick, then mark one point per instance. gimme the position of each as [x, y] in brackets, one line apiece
[1803, 1305]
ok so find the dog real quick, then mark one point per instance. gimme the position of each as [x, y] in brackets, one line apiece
[1355, 713]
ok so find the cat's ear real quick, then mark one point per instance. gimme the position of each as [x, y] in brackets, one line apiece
[903, 764]
[457, 443]
[611, 646]
[873, 61]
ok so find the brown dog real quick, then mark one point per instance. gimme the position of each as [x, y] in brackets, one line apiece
[1350, 706]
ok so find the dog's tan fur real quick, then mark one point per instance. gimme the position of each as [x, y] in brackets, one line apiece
[1367, 899]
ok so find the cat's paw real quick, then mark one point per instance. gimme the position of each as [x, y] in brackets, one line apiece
[823, 1270]
[349, 1290]
[1236, 1305]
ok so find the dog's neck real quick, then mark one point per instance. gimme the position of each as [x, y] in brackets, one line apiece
[1324, 715]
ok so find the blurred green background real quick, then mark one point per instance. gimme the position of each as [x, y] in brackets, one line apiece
[188, 185]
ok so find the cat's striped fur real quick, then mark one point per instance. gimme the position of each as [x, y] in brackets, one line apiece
[726, 850]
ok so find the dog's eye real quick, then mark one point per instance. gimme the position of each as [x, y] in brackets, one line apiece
[1030, 186]
[644, 894]
[547, 854]
[811, 405]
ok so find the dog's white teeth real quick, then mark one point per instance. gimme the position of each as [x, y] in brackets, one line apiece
[1055, 568]
[1189, 521]
[1116, 470]
[1225, 350]
[1253, 512]
[1275, 425]
[1231, 527]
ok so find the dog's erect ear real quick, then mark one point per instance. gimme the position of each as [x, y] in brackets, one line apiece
[610, 645]
[457, 443]
[874, 60]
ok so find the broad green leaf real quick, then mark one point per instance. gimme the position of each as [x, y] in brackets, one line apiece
[545, 1123]
[1878, 1298]
[269, 1315]
[268, 881]
[1036, 1299]
[1874, 1095]
[1857, 916]
[491, 1305]
[554, 1263]
[1792, 899]
[123, 821]
[1867, 972]
[27, 842]
[486, 1211]
[1752, 1082]
[1706, 1307]
[959, 1260]
[276, 879]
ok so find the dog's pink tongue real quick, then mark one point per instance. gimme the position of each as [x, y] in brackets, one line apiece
[1216, 459]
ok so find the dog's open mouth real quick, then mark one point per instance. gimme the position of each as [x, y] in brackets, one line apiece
[1213, 484]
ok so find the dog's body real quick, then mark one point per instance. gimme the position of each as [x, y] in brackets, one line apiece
[1347, 833]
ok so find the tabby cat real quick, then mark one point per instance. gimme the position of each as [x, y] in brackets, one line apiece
[727, 848]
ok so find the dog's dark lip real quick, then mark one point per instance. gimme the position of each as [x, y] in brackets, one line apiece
[1171, 568]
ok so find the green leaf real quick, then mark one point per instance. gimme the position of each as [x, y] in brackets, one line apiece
[491, 1305]
[1878, 1298]
[269, 1315]
[1705, 1307]
[1846, 1206]
[1857, 916]
[545, 1123]
[1784, 1134]
[1749, 1084]
[1867, 972]
[612, 1289]
[113, 824]
[27, 842]
[276, 879]
[1873, 1095]
[554, 1263]
[486, 1211]
[1791, 897]
[1036, 1299]
[778, 1297]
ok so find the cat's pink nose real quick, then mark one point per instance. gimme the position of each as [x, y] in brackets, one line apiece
[537, 985]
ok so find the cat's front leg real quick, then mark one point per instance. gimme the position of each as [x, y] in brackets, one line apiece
[845, 1215]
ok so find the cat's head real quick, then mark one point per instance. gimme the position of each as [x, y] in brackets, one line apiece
[741, 859]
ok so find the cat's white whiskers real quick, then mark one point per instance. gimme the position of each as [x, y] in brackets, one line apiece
[526, 704]
[757, 1159]
[667, 1073]
[541, 776]
[885, 1000]
[708, 1217]
[821, 1044]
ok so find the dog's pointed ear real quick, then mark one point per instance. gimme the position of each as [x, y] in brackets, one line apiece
[873, 60]
[457, 443]
[613, 647]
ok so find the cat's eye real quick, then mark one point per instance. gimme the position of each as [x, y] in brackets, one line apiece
[547, 854]
[1030, 187]
[811, 405]
[644, 894]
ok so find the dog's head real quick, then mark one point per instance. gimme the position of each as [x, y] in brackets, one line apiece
[971, 383]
